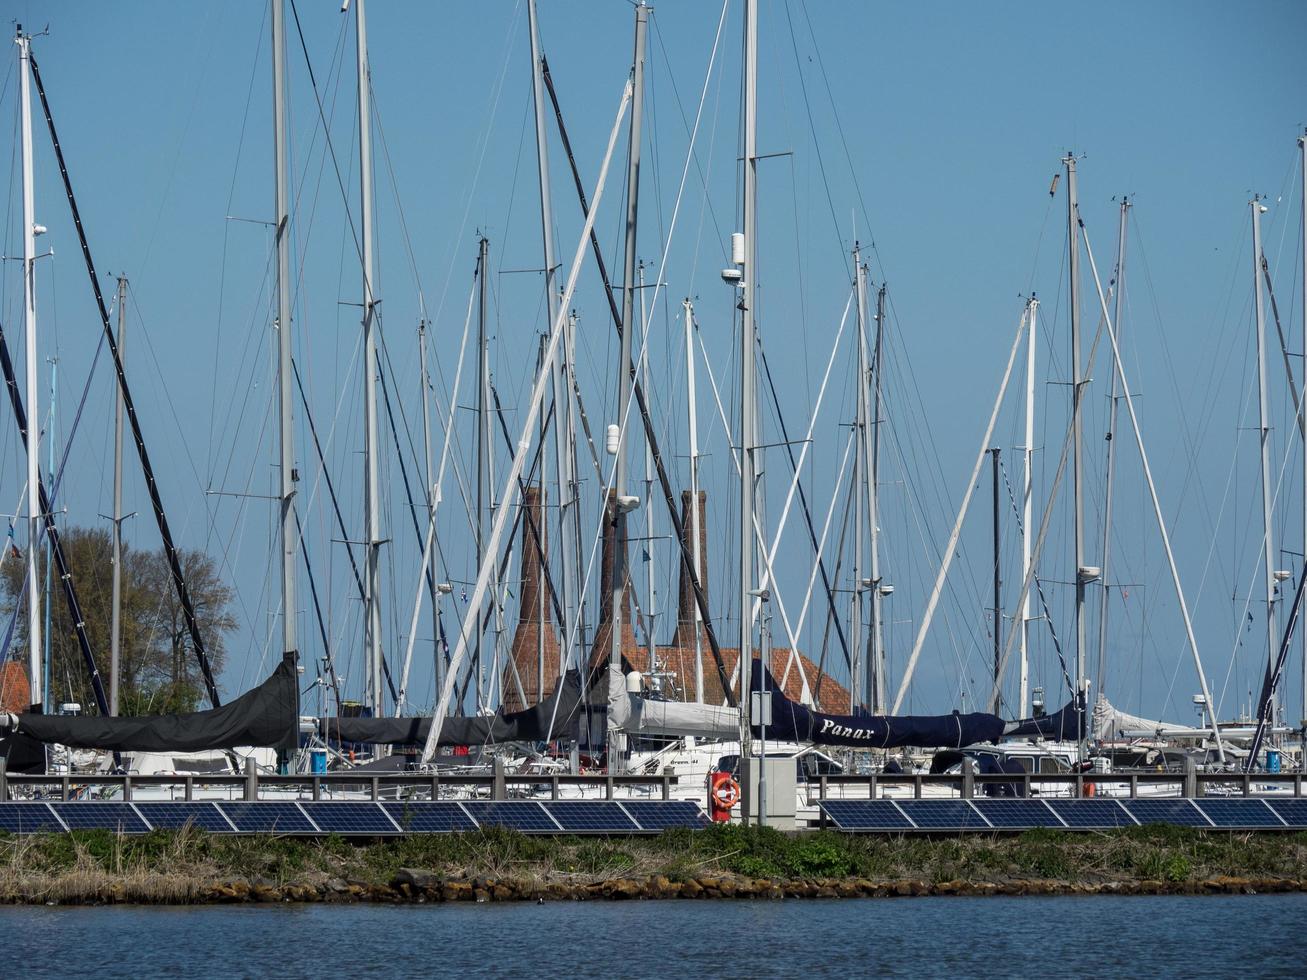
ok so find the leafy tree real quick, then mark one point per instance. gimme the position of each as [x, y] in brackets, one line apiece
[158, 669]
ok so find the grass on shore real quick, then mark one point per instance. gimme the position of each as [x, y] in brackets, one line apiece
[170, 866]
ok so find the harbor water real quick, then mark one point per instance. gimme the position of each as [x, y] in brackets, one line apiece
[1190, 936]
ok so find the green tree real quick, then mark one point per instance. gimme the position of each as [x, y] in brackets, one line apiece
[158, 669]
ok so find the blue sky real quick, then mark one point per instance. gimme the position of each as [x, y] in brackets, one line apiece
[931, 130]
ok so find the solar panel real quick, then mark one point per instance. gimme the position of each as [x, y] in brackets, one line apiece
[350, 818]
[28, 818]
[943, 815]
[591, 816]
[866, 815]
[665, 814]
[1293, 812]
[1240, 813]
[118, 817]
[1017, 814]
[1091, 814]
[429, 818]
[267, 817]
[526, 816]
[180, 814]
[1181, 813]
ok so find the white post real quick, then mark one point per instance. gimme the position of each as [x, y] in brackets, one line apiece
[861, 672]
[34, 516]
[1078, 381]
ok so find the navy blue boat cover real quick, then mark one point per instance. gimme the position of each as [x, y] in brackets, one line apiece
[792, 722]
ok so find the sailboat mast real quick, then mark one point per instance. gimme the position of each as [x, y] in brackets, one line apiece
[1027, 495]
[1077, 464]
[1264, 426]
[748, 340]
[692, 420]
[424, 379]
[36, 669]
[371, 444]
[647, 553]
[998, 567]
[115, 616]
[1111, 444]
[624, 368]
[483, 445]
[861, 668]
[568, 513]
[285, 407]
[876, 700]
[1302, 148]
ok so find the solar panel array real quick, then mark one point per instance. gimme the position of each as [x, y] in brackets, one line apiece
[1230, 813]
[353, 818]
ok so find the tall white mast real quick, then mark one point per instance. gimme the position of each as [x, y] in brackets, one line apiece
[1032, 313]
[624, 367]
[34, 515]
[1111, 442]
[285, 408]
[371, 445]
[692, 419]
[748, 436]
[560, 369]
[115, 621]
[1264, 426]
[424, 379]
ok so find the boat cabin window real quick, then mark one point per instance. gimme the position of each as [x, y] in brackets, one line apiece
[1050, 764]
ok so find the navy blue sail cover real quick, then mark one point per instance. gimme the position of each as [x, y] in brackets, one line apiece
[792, 722]
[1066, 724]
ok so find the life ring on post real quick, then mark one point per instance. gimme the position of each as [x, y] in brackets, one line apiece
[723, 794]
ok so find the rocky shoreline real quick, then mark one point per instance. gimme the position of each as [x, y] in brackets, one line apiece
[191, 868]
[417, 886]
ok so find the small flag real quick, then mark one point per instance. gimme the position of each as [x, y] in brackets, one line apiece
[646, 554]
[464, 593]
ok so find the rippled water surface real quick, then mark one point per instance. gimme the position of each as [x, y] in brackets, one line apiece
[1100, 936]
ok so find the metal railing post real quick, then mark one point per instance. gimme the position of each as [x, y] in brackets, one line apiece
[251, 780]
[4, 779]
[968, 778]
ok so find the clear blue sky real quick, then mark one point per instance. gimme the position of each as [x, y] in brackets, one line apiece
[932, 131]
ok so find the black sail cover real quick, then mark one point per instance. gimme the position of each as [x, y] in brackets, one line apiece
[267, 716]
[792, 722]
[1065, 725]
[551, 718]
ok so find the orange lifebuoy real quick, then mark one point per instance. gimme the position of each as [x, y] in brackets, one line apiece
[1090, 789]
[723, 794]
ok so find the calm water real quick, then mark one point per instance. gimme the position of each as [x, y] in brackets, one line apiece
[1250, 936]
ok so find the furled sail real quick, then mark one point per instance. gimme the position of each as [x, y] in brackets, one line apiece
[552, 718]
[267, 715]
[792, 722]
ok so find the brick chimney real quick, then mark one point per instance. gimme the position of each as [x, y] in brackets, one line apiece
[607, 571]
[686, 620]
[535, 617]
